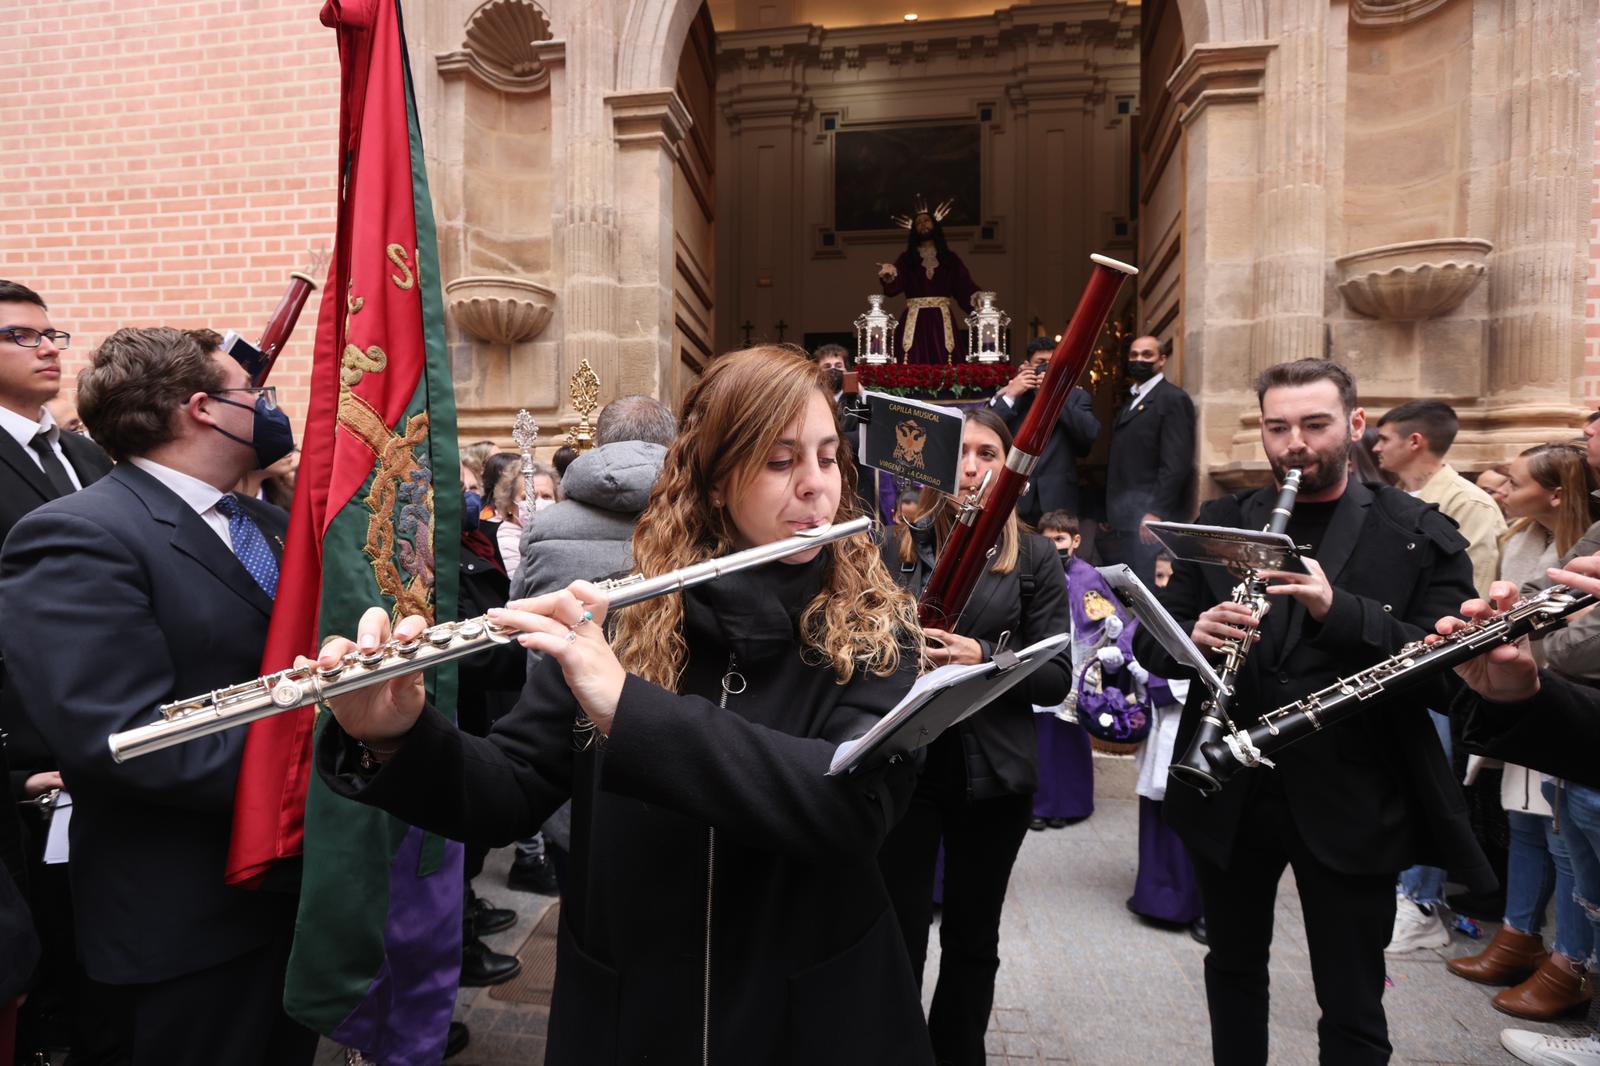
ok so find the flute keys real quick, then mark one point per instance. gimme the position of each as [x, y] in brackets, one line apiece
[470, 630]
[406, 648]
[439, 636]
[288, 694]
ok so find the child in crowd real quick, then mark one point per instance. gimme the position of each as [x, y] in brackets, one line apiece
[1066, 762]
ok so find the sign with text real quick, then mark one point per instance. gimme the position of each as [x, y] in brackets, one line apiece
[918, 441]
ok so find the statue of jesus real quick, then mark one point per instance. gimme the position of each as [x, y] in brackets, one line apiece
[937, 286]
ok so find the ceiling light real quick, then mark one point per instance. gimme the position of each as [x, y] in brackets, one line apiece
[911, 16]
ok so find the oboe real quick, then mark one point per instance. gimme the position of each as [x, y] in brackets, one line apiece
[1414, 663]
[1196, 768]
[288, 690]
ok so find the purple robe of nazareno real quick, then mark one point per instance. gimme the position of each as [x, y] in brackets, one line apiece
[950, 280]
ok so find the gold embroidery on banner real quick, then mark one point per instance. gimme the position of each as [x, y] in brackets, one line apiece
[397, 256]
[356, 364]
[397, 462]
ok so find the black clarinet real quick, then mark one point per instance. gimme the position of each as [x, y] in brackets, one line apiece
[1196, 767]
[1413, 664]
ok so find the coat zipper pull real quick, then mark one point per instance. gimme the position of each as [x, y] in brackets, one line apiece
[733, 683]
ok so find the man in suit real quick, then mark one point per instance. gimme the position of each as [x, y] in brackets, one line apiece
[1054, 484]
[1150, 472]
[1351, 807]
[38, 463]
[154, 583]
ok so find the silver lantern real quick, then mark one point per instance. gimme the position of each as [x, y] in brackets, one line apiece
[875, 333]
[987, 331]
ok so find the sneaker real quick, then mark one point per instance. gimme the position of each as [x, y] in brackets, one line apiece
[1544, 1049]
[1416, 929]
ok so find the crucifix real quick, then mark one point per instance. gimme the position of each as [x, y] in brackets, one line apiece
[781, 326]
[1036, 327]
[747, 327]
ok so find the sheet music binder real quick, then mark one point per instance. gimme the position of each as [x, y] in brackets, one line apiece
[1161, 625]
[940, 699]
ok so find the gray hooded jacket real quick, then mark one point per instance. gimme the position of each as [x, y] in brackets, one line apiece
[587, 534]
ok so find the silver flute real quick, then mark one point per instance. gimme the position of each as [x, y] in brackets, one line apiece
[301, 686]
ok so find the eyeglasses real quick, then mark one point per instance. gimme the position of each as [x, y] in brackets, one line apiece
[268, 393]
[24, 337]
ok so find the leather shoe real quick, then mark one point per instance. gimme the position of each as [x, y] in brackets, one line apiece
[456, 1042]
[1508, 958]
[1197, 932]
[1555, 988]
[482, 967]
[1036, 824]
[532, 873]
[485, 918]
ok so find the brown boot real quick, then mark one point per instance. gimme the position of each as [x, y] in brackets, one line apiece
[1557, 987]
[1508, 958]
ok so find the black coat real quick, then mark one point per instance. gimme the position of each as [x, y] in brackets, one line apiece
[119, 598]
[1374, 794]
[1151, 466]
[1053, 485]
[24, 487]
[1003, 733]
[690, 813]
[1557, 732]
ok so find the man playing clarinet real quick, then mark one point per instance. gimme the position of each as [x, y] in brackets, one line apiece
[1349, 808]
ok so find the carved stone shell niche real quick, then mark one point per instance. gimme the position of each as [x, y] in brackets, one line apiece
[500, 310]
[1413, 280]
[502, 47]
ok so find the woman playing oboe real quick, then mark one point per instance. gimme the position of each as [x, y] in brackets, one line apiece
[976, 789]
[725, 903]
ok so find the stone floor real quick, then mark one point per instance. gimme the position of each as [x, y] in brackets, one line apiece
[1083, 982]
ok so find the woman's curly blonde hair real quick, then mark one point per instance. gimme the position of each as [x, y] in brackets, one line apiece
[730, 421]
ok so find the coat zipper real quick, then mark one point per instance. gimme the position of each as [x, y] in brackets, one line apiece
[729, 680]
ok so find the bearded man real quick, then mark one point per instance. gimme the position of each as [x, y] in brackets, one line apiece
[1353, 805]
[937, 286]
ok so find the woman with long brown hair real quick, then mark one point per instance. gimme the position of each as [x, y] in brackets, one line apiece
[725, 904]
[975, 792]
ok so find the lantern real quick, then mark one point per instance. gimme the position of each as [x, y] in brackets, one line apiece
[875, 333]
[987, 331]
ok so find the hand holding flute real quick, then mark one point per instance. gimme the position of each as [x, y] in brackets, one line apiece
[566, 625]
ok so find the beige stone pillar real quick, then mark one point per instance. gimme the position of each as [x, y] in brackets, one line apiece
[1537, 271]
[1219, 87]
[1292, 250]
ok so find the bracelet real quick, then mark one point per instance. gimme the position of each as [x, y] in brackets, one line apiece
[374, 757]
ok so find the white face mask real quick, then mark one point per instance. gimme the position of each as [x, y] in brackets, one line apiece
[541, 503]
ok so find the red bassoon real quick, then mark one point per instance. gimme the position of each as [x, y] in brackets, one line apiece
[258, 358]
[977, 531]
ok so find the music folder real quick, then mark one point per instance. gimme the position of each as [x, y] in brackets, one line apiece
[1148, 610]
[940, 699]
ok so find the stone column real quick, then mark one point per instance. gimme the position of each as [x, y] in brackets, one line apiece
[1537, 270]
[1219, 87]
[586, 220]
[1292, 254]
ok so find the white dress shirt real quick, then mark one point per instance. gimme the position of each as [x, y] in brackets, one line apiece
[199, 495]
[1141, 390]
[24, 429]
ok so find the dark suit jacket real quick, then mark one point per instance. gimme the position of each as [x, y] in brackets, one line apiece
[23, 487]
[119, 598]
[1151, 466]
[1373, 794]
[1054, 484]
[1557, 732]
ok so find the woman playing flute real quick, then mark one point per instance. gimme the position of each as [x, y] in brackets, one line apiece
[725, 904]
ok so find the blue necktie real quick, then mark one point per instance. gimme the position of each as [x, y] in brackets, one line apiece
[250, 546]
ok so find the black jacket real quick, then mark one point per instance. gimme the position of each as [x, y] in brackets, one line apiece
[1557, 732]
[689, 810]
[24, 487]
[1002, 746]
[119, 598]
[1053, 485]
[1151, 466]
[1373, 794]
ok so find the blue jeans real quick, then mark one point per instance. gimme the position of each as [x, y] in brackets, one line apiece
[1425, 884]
[1577, 810]
[1530, 873]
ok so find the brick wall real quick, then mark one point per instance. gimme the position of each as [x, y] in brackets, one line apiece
[168, 163]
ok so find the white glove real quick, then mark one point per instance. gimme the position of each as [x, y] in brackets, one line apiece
[1140, 674]
[1114, 627]
[1111, 657]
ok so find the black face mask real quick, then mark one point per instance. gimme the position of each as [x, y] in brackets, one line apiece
[1139, 370]
[835, 379]
[1065, 553]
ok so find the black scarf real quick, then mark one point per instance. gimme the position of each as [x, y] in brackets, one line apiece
[755, 613]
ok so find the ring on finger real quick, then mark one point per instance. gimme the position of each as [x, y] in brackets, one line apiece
[572, 637]
[588, 616]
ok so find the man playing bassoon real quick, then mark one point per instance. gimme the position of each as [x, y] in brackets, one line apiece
[1350, 808]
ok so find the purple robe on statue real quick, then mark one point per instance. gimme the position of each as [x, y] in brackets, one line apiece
[936, 307]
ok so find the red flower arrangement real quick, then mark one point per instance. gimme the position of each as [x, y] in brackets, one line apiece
[929, 379]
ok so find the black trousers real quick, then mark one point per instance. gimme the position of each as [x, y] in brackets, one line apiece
[230, 1013]
[981, 841]
[1349, 918]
